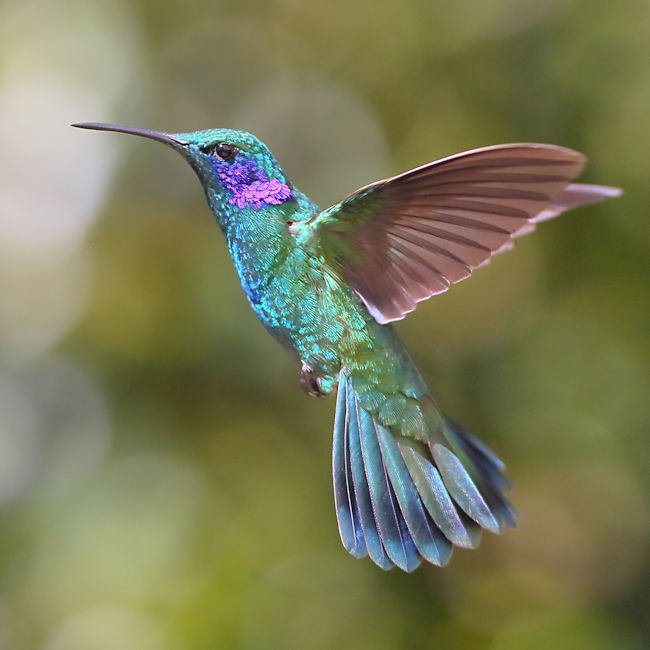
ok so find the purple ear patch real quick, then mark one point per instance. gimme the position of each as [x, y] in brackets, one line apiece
[249, 185]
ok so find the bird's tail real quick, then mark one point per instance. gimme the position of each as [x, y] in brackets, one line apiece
[398, 500]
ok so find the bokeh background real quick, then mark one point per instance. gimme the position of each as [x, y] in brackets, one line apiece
[164, 483]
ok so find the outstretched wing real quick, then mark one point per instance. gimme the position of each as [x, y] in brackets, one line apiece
[404, 239]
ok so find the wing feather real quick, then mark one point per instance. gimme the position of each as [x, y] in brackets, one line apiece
[407, 238]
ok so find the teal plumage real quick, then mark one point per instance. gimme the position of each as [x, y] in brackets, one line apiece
[409, 484]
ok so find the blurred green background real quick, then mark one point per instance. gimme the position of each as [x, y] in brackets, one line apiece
[164, 483]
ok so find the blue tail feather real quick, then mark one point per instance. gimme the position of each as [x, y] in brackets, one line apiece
[400, 501]
[412, 554]
[436, 499]
[374, 544]
[395, 537]
[480, 454]
[488, 473]
[430, 542]
[462, 487]
[344, 498]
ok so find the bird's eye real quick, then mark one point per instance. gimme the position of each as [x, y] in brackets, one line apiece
[223, 150]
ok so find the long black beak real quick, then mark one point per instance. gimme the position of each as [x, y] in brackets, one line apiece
[160, 136]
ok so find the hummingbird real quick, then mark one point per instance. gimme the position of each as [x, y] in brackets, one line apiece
[409, 483]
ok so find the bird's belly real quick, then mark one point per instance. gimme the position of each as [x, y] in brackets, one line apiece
[319, 320]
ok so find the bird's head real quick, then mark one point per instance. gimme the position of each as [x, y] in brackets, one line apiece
[236, 169]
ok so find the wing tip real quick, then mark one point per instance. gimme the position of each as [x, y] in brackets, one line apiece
[601, 191]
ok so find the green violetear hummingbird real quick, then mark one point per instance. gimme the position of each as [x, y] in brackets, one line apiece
[409, 484]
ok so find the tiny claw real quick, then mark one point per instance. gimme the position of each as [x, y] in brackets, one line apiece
[311, 382]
